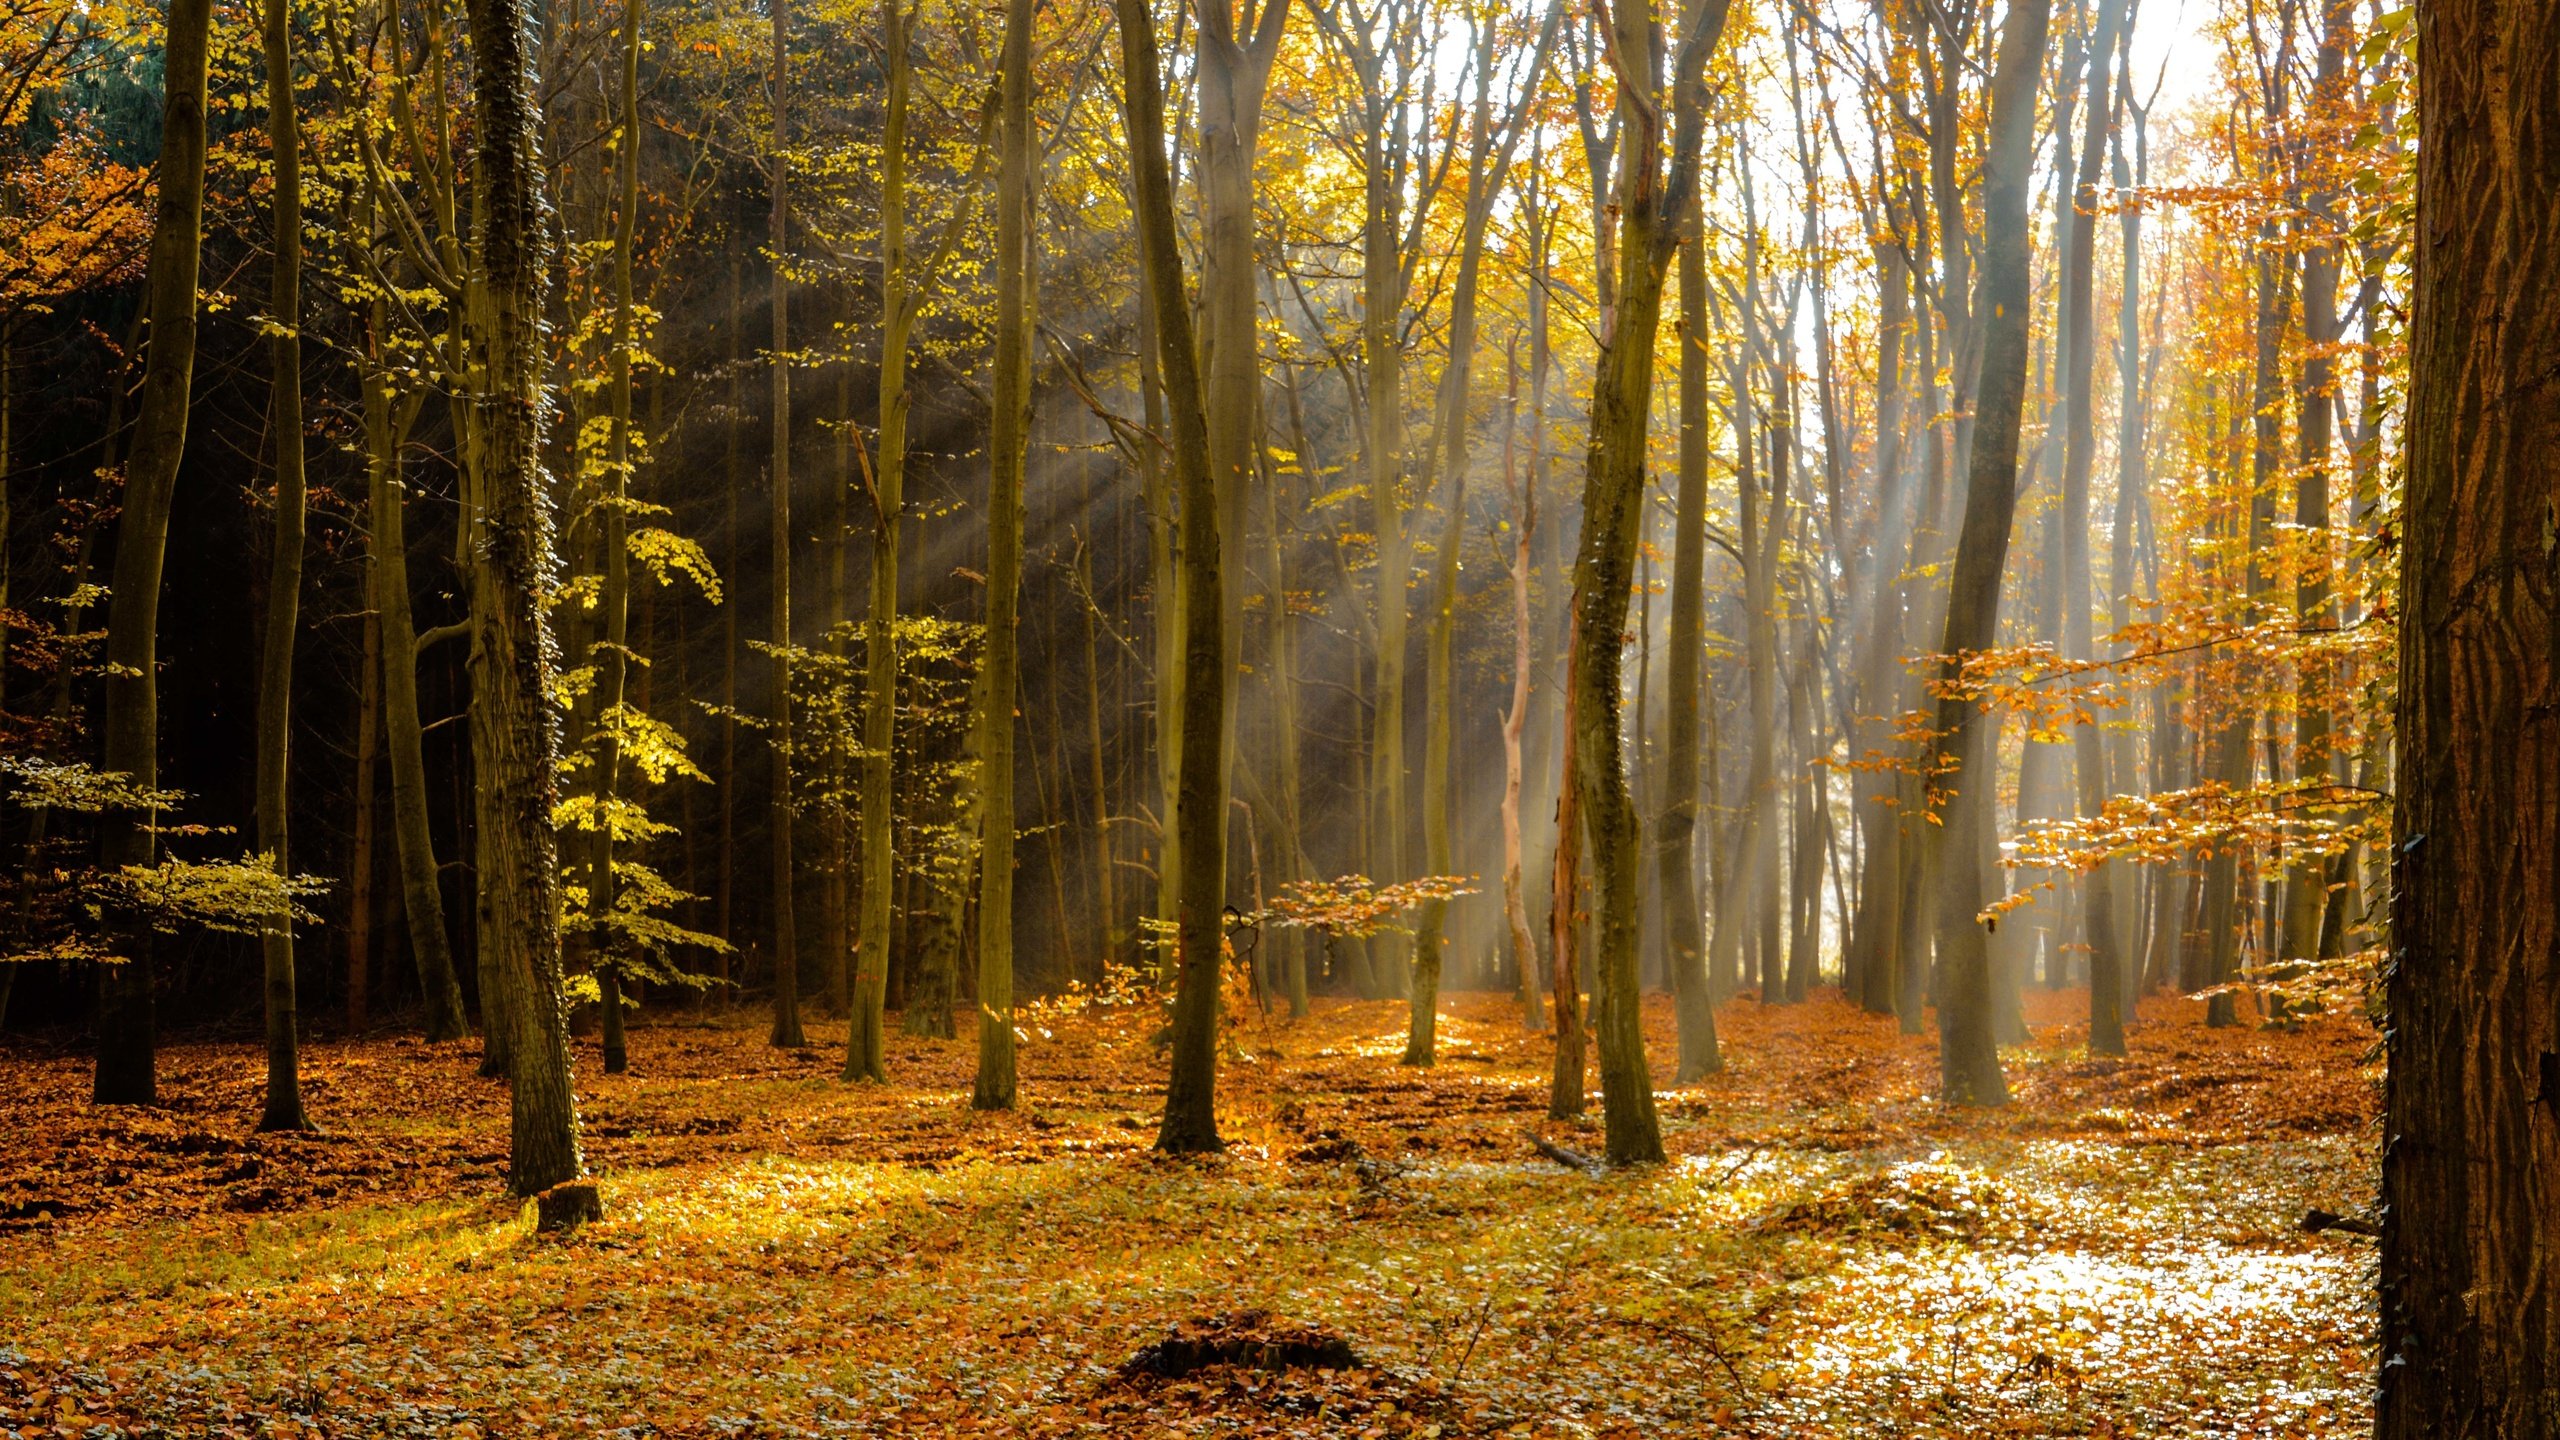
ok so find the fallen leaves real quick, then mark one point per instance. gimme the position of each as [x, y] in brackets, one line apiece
[1832, 1252]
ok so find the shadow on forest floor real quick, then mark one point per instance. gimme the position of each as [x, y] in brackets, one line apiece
[1830, 1251]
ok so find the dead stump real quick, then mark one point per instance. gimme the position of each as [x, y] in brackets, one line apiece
[566, 1207]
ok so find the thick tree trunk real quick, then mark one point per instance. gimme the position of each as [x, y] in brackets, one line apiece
[2470, 1343]
[515, 726]
[127, 1025]
[1969, 1062]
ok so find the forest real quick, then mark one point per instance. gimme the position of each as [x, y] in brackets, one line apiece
[1401, 718]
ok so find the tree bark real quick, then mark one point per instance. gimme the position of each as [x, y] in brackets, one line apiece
[127, 1025]
[786, 938]
[1969, 1062]
[1649, 203]
[2470, 1340]
[866, 1040]
[284, 577]
[421, 896]
[515, 725]
[1674, 850]
[1008, 446]
[1190, 1123]
[612, 658]
[2103, 926]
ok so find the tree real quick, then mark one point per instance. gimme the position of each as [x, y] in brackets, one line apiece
[1650, 202]
[1008, 447]
[284, 581]
[786, 939]
[515, 725]
[2470, 1342]
[866, 1040]
[1190, 1124]
[127, 1027]
[1684, 945]
[2104, 930]
[1969, 1061]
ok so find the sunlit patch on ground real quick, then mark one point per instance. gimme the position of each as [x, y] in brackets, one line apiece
[785, 1255]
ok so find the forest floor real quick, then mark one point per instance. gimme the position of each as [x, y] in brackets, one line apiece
[1830, 1251]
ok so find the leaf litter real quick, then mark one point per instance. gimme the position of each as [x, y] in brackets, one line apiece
[1829, 1252]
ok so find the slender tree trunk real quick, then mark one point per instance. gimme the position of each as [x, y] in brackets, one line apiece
[1190, 1114]
[1650, 205]
[2314, 760]
[360, 844]
[2471, 1167]
[1515, 898]
[2103, 928]
[421, 895]
[1439, 679]
[127, 1026]
[515, 727]
[1287, 855]
[1565, 1093]
[284, 578]
[1968, 1060]
[1009, 443]
[1105, 852]
[1676, 867]
[612, 664]
[866, 1041]
[786, 937]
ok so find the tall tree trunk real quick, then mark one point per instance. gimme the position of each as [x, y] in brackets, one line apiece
[284, 578]
[866, 1041]
[612, 663]
[360, 845]
[2471, 1169]
[1009, 442]
[1515, 897]
[1190, 1123]
[2314, 760]
[1287, 855]
[786, 937]
[2104, 931]
[1650, 204]
[421, 895]
[1969, 1062]
[127, 1025]
[2131, 478]
[1484, 170]
[1565, 1091]
[515, 726]
[1675, 860]
[1382, 360]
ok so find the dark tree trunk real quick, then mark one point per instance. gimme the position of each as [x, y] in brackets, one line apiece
[515, 726]
[2471, 1162]
[1190, 1110]
[1969, 1061]
[127, 1026]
